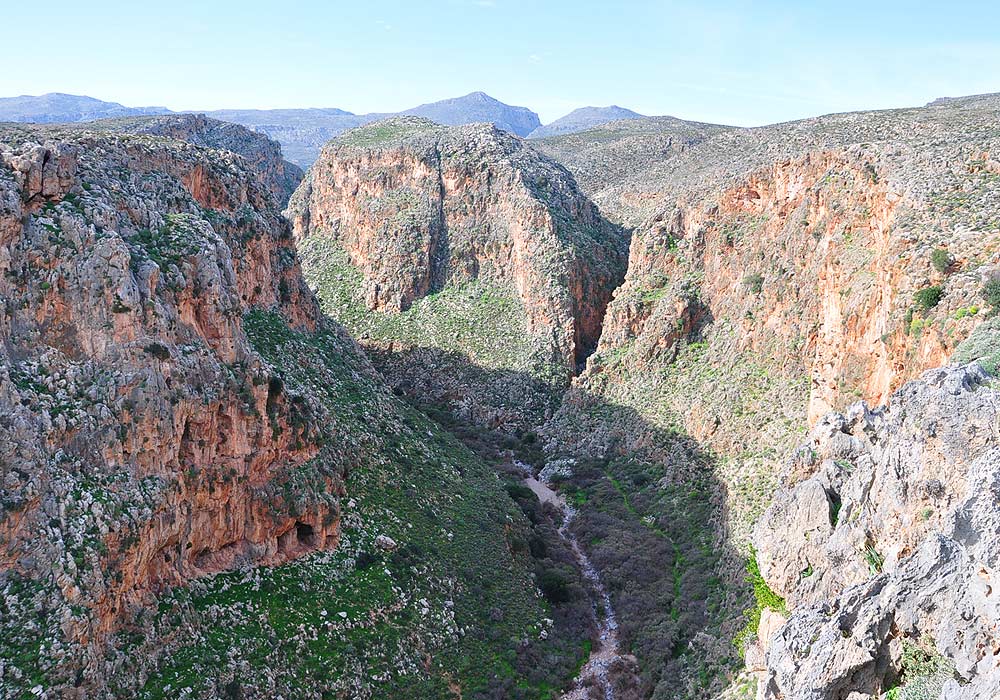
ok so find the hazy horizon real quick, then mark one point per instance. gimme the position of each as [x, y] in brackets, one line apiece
[724, 62]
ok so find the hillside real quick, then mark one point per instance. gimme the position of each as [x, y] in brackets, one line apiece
[653, 410]
[262, 154]
[207, 489]
[617, 163]
[56, 107]
[582, 119]
[775, 274]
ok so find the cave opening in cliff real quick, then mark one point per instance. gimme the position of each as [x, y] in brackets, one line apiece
[305, 534]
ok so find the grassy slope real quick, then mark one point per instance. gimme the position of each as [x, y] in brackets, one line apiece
[665, 519]
[471, 339]
[453, 609]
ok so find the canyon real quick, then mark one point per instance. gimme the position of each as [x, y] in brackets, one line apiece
[653, 409]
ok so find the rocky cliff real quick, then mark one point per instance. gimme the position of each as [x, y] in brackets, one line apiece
[176, 417]
[405, 217]
[854, 258]
[883, 543]
[775, 274]
[134, 455]
[263, 155]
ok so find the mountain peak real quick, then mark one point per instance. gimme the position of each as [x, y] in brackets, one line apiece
[584, 118]
[479, 107]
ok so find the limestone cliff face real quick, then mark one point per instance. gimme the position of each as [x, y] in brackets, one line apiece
[884, 538]
[142, 440]
[816, 261]
[848, 252]
[776, 274]
[419, 208]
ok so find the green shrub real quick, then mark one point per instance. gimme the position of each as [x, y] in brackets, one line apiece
[874, 559]
[554, 585]
[764, 597]
[941, 260]
[928, 297]
[754, 283]
[991, 292]
[923, 672]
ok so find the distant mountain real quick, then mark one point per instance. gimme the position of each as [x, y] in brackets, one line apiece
[582, 119]
[479, 107]
[301, 132]
[57, 107]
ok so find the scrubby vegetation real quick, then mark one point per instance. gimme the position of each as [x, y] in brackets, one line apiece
[450, 604]
[765, 599]
[923, 672]
[941, 260]
[453, 340]
[928, 297]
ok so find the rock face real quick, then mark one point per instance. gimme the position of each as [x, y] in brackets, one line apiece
[775, 274]
[133, 452]
[848, 252]
[421, 210]
[885, 533]
[263, 155]
[179, 430]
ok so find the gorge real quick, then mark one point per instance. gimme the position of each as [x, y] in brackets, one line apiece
[652, 409]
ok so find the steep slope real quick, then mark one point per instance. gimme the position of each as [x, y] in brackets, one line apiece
[447, 246]
[785, 271]
[617, 163]
[850, 268]
[582, 119]
[478, 107]
[176, 415]
[57, 107]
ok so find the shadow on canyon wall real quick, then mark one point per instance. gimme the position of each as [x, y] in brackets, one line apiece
[653, 528]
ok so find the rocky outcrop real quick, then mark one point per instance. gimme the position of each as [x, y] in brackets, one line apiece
[263, 156]
[886, 533]
[826, 260]
[419, 208]
[453, 252]
[143, 442]
[776, 274]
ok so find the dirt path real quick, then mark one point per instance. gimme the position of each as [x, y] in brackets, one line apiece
[606, 651]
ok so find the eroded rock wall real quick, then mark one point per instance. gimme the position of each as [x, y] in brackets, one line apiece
[142, 441]
[884, 535]
[419, 208]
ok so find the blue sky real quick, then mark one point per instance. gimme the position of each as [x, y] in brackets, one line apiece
[741, 63]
